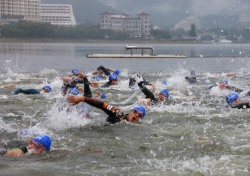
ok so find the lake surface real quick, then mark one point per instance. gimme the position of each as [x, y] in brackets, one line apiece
[182, 137]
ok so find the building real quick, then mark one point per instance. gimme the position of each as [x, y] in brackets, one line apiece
[58, 14]
[32, 10]
[145, 24]
[186, 23]
[15, 10]
[244, 20]
[139, 26]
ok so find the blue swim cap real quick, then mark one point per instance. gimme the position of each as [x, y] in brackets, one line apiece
[231, 98]
[48, 87]
[141, 109]
[74, 72]
[98, 78]
[192, 73]
[117, 72]
[103, 95]
[165, 91]
[164, 83]
[224, 81]
[44, 140]
[113, 77]
[74, 91]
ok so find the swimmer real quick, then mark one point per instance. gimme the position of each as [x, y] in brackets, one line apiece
[234, 101]
[81, 78]
[113, 80]
[192, 79]
[115, 114]
[45, 89]
[37, 145]
[150, 98]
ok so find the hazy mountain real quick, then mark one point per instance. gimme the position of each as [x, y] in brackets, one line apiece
[168, 12]
[85, 11]
[165, 13]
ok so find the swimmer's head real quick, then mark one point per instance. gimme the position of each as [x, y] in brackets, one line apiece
[232, 98]
[74, 91]
[74, 72]
[44, 140]
[47, 88]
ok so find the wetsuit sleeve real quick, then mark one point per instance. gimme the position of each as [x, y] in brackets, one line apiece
[18, 91]
[26, 91]
[235, 89]
[17, 144]
[107, 84]
[3, 152]
[191, 80]
[244, 105]
[149, 94]
[132, 82]
[115, 114]
[87, 90]
[105, 70]
[65, 86]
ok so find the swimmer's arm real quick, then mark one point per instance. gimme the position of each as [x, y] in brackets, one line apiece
[146, 101]
[235, 89]
[153, 87]
[108, 109]
[8, 86]
[14, 152]
[231, 74]
[241, 105]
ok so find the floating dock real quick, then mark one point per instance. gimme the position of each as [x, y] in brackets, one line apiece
[142, 54]
[133, 56]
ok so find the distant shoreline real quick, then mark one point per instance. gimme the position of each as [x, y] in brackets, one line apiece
[43, 40]
[16, 40]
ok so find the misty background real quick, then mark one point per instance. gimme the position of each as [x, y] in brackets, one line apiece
[165, 13]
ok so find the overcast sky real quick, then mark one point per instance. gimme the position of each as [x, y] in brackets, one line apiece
[198, 8]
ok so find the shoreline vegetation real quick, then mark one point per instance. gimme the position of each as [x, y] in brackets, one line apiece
[29, 32]
[48, 40]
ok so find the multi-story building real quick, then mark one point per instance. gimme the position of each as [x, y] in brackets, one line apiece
[186, 23]
[15, 10]
[139, 26]
[58, 14]
[145, 24]
[244, 20]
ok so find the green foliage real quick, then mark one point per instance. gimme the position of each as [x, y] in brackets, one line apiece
[24, 29]
[160, 34]
[31, 30]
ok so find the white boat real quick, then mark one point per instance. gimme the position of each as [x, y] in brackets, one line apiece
[225, 41]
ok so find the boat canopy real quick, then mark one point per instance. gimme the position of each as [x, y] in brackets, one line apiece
[142, 48]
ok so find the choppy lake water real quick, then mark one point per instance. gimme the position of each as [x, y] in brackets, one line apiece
[183, 137]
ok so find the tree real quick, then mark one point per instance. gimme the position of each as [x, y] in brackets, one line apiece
[192, 31]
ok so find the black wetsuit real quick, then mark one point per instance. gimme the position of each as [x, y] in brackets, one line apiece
[149, 94]
[191, 79]
[73, 84]
[105, 70]
[244, 105]
[115, 114]
[237, 89]
[26, 91]
[22, 145]
[107, 84]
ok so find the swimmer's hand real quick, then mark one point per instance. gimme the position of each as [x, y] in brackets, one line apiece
[14, 153]
[75, 99]
[138, 79]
